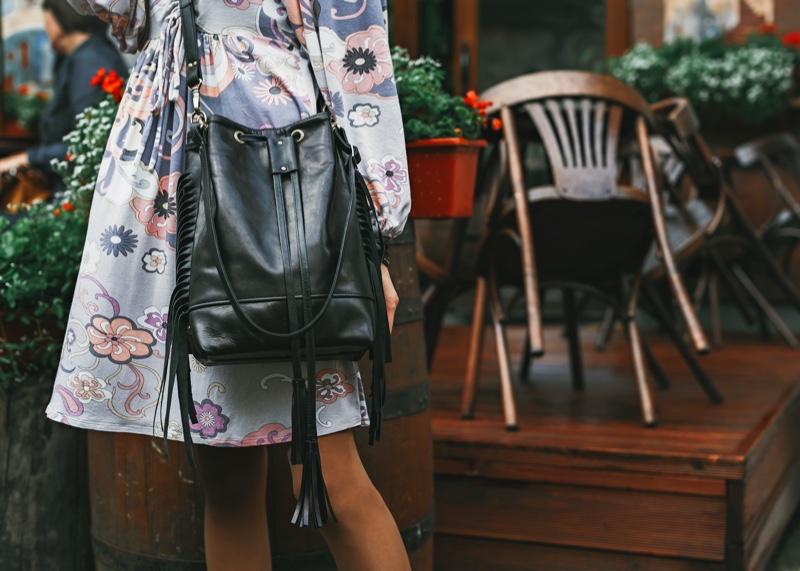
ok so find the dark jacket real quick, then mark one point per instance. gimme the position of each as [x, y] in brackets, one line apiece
[71, 95]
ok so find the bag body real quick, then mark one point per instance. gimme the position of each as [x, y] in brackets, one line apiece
[247, 241]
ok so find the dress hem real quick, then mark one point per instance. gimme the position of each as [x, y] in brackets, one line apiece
[136, 429]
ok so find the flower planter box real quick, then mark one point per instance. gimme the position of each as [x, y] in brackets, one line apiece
[443, 175]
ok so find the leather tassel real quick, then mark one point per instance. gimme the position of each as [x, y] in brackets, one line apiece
[378, 391]
[176, 359]
[298, 419]
[313, 502]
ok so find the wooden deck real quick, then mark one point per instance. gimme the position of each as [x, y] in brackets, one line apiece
[583, 486]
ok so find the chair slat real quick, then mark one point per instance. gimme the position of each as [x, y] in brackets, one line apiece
[599, 124]
[549, 138]
[575, 135]
[612, 135]
[586, 114]
[558, 120]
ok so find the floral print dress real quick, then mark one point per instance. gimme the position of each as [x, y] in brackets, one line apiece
[257, 58]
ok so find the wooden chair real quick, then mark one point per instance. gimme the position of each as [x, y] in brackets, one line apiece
[731, 242]
[588, 230]
[778, 157]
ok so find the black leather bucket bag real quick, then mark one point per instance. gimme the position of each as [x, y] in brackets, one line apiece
[278, 260]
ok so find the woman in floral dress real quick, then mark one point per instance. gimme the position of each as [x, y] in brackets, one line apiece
[257, 59]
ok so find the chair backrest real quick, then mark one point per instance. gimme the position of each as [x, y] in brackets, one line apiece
[677, 123]
[579, 118]
[779, 157]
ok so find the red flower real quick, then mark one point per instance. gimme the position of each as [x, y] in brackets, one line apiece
[70, 156]
[24, 90]
[768, 29]
[98, 77]
[67, 206]
[57, 212]
[41, 96]
[497, 124]
[471, 98]
[112, 84]
[791, 40]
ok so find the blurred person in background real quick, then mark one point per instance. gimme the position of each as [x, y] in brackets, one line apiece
[82, 48]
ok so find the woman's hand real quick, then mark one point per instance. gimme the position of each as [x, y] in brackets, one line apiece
[390, 295]
[14, 162]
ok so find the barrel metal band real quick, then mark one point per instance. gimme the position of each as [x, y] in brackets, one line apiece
[414, 537]
[407, 401]
[121, 559]
[114, 557]
[409, 310]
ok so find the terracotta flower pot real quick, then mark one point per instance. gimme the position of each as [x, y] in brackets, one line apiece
[443, 175]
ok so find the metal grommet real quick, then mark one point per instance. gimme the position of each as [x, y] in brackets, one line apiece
[283, 167]
[298, 135]
[238, 136]
[280, 143]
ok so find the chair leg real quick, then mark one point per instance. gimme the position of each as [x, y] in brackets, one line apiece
[768, 311]
[729, 280]
[475, 354]
[573, 338]
[527, 356]
[789, 289]
[606, 330]
[635, 342]
[660, 377]
[713, 303]
[701, 288]
[525, 366]
[689, 357]
[673, 276]
[509, 406]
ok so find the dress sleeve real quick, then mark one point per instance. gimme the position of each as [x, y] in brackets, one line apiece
[348, 46]
[127, 18]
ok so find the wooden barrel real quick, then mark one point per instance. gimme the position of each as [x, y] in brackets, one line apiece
[147, 511]
[44, 500]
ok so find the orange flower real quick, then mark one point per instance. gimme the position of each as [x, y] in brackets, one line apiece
[24, 90]
[768, 29]
[67, 206]
[41, 96]
[98, 77]
[791, 40]
[57, 212]
[497, 124]
[70, 156]
[471, 98]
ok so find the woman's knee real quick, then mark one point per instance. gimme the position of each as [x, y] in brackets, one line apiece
[345, 477]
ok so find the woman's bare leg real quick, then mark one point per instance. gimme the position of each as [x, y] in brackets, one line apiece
[235, 483]
[365, 537]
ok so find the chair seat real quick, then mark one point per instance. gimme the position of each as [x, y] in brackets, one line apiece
[574, 240]
[686, 233]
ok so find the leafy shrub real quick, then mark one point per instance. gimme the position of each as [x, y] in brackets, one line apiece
[41, 252]
[750, 82]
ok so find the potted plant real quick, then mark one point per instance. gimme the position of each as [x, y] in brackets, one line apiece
[442, 133]
[43, 467]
